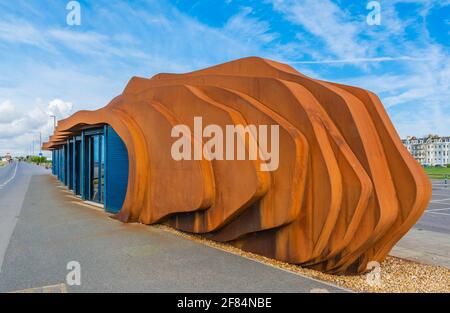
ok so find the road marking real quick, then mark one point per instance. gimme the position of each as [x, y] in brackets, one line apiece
[60, 288]
[319, 290]
[11, 178]
[438, 213]
[88, 205]
[437, 209]
[71, 196]
[438, 200]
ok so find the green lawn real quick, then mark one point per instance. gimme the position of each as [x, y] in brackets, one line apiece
[437, 172]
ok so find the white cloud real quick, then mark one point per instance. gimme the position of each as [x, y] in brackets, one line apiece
[19, 31]
[93, 43]
[125, 40]
[325, 20]
[59, 108]
[249, 28]
[17, 134]
[417, 98]
[84, 42]
[362, 60]
[7, 112]
[106, 57]
[421, 80]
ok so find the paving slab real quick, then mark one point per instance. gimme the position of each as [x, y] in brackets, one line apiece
[424, 246]
[429, 240]
[54, 228]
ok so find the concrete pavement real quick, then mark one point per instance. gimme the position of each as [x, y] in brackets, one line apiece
[55, 228]
[14, 181]
[437, 216]
[429, 240]
[44, 227]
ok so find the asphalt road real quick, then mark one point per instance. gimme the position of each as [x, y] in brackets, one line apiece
[429, 240]
[14, 181]
[46, 227]
[437, 216]
[6, 173]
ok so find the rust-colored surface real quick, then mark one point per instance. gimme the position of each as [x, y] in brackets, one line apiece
[345, 191]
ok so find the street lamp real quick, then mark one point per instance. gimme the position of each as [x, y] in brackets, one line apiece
[40, 144]
[54, 121]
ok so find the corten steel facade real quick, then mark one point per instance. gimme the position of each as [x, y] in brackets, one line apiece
[346, 190]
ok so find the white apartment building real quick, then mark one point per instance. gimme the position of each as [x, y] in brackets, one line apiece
[432, 150]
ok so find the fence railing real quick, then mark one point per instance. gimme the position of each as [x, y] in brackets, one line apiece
[438, 176]
[442, 177]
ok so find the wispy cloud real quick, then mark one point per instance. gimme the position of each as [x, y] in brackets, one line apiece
[326, 21]
[22, 32]
[243, 25]
[89, 66]
[414, 82]
[7, 112]
[362, 60]
[23, 129]
[42, 59]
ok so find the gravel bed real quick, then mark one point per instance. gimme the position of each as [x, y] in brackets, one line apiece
[395, 274]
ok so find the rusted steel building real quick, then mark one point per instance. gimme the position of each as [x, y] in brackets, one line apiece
[345, 189]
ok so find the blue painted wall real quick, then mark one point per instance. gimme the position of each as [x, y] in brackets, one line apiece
[116, 165]
[71, 166]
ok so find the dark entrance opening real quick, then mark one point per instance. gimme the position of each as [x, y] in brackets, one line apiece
[78, 166]
[94, 166]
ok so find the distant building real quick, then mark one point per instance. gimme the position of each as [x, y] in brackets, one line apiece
[431, 150]
[7, 158]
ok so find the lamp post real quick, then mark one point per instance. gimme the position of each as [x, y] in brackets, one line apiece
[54, 121]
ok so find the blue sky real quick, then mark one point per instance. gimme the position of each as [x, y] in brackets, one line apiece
[49, 67]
